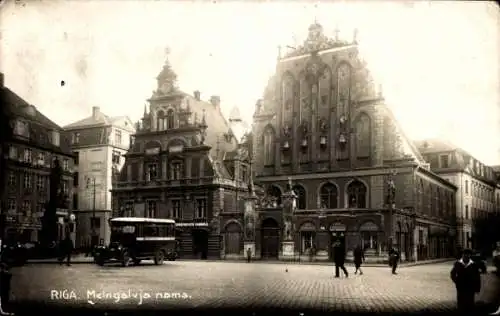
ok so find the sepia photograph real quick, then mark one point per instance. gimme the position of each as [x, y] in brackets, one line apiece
[249, 157]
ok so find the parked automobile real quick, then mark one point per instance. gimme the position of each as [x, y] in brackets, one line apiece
[14, 254]
[480, 260]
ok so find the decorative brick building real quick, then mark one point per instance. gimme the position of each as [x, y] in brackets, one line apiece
[184, 163]
[323, 125]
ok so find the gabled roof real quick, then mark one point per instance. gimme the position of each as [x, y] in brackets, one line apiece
[409, 145]
[101, 119]
[40, 124]
[435, 145]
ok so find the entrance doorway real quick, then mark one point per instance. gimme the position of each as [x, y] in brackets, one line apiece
[270, 239]
[200, 243]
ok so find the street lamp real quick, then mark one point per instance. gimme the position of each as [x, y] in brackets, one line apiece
[91, 181]
[391, 194]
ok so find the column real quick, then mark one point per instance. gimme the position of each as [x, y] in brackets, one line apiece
[141, 170]
[164, 168]
[188, 167]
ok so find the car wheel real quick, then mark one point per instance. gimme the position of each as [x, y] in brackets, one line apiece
[159, 257]
[126, 259]
[137, 262]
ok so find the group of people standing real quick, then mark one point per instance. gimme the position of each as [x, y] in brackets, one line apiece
[339, 256]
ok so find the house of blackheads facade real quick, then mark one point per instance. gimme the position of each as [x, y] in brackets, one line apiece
[335, 165]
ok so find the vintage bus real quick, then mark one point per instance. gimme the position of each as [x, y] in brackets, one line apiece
[134, 239]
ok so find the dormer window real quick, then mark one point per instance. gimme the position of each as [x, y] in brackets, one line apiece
[76, 138]
[21, 129]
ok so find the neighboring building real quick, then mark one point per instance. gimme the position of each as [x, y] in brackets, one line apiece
[324, 125]
[183, 163]
[496, 171]
[99, 142]
[37, 143]
[477, 184]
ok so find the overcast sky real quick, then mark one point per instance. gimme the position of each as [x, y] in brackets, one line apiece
[438, 63]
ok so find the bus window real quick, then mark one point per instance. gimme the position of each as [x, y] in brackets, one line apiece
[150, 230]
[171, 230]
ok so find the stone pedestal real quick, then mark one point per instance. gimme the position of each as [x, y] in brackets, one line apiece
[251, 245]
[287, 250]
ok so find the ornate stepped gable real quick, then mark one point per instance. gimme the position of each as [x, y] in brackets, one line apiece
[191, 112]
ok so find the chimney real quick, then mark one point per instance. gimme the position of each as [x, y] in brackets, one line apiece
[215, 100]
[1, 80]
[95, 111]
[197, 95]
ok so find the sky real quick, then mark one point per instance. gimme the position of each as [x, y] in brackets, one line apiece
[438, 62]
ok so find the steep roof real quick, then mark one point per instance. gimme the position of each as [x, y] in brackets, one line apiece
[100, 119]
[40, 124]
[435, 145]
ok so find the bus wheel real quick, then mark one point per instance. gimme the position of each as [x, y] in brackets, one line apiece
[137, 262]
[126, 259]
[99, 261]
[159, 257]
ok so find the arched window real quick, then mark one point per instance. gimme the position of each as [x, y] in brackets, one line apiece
[268, 141]
[160, 117]
[275, 193]
[363, 136]
[343, 87]
[170, 119]
[301, 197]
[325, 87]
[328, 196]
[287, 86]
[356, 194]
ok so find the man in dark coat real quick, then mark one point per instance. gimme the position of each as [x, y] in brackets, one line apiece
[339, 259]
[5, 281]
[66, 249]
[394, 259]
[465, 274]
[359, 257]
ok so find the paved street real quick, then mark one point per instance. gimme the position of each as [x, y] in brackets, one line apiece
[226, 284]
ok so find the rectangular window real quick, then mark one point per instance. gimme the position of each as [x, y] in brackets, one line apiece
[28, 155]
[65, 187]
[76, 157]
[118, 137]
[12, 179]
[27, 207]
[41, 159]
[176, 209]
[13, 152]
[466, 186]
[151, 210]
[76, 138]
[27, 180]
[444, 161]
[151, 172]
[201, 208]
[420, 236]
[22, 129]
[12, 205]
[40, 183]
[177, 170]
[56, 138]
[65, 164]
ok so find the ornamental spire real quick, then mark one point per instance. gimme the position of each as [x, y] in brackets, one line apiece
[167, 78]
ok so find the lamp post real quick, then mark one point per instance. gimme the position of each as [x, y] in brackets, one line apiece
[93, 241]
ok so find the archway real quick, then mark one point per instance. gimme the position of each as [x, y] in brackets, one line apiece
[200, 243]
[233, 238]
[270, 239]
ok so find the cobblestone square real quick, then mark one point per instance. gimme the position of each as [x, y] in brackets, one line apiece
[226, 284]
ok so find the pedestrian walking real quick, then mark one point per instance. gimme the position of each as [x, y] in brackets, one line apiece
[394, 259]
[339, 259]
[5, 280]
[496, 258]
[66, 249]
[359, 258]
[249, 254]
[465, 274]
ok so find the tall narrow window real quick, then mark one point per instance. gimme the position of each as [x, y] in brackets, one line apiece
[363, 136]
[177, 170]
[118, 137]
[328, 196]
[27, 180]
[151, 210]
[75, 138]
[268, 140]
[287, 86]
[301, 197]
[170, 119]
[201, 208]
[356, 194]
[152, 172]
[325, 87]
[176, 209]
[343, 89]
[161, 120]
[28, 155]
